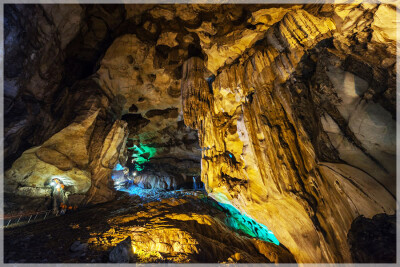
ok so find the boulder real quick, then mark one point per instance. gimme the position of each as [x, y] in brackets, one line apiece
[122, 253]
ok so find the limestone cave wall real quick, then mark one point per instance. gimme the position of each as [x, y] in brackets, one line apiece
[298, 130]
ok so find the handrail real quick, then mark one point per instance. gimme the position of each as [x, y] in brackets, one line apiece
[10, 216]
[47, 214]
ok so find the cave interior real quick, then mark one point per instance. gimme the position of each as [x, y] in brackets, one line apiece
[200, 133]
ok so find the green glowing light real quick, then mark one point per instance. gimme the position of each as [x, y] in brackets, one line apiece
[143, 154]
[138, 167]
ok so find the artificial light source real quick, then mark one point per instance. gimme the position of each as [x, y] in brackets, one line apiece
[134, 174]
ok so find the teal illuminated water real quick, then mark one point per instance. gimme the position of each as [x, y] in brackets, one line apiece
[243, 223]
[235, 219]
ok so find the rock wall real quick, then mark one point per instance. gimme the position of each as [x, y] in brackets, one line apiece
[47, 49]
[81, 60]
[72, 156]
[298, 99]
[147, 95]
[68, 123]
[373, 240]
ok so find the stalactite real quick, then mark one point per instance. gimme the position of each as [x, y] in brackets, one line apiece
[196, 96]
[277, 177]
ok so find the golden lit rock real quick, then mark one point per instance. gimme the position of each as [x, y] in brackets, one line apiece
[282, 188]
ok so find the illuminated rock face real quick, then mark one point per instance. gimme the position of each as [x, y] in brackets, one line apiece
[167, 230]
[132, 83]
[178, 228]
[148, 95]
[85, 174]
[297, 99]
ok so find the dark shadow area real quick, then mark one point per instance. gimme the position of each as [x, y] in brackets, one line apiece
[373, 240]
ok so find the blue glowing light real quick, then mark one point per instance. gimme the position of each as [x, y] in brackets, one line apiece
[230, 155]
[118, 167]
[141, 192]
[133, 190]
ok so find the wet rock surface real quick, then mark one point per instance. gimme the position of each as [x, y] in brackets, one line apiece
[154, 228]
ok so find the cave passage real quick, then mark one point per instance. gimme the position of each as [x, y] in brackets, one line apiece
[124, 180]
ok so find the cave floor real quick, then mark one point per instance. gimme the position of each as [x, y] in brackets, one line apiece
[176, 227]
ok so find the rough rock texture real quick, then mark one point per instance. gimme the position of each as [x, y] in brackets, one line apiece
[149, 100]
[130, 80]
[37, 166]
[47, 49]
[103, 164]
[179, 228]
[170, 232]
[49, 104]
[68, 157]
[297, 97]
[122, 253]
[163, 178]
[373, 240]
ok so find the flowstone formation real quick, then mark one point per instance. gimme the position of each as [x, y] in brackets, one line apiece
[299, 131]
[286, 112]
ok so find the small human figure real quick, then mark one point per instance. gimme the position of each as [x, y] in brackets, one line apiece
[63, 208]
